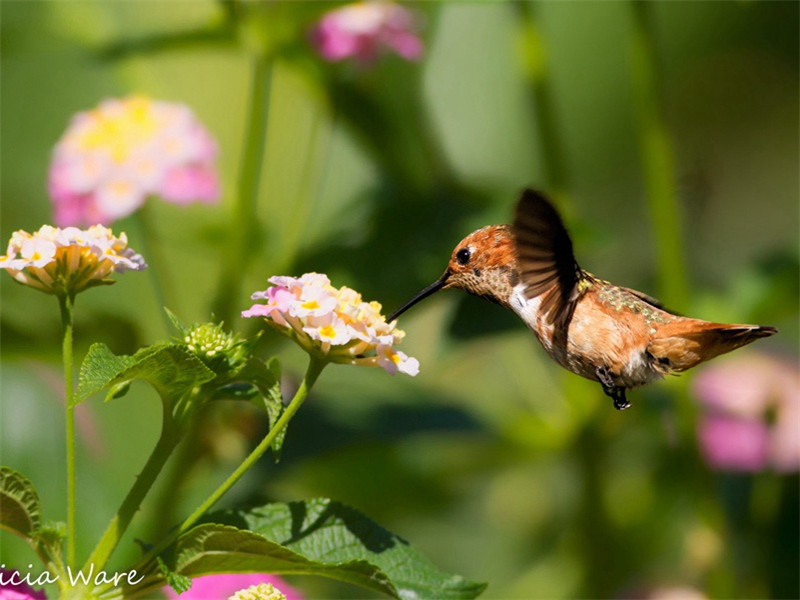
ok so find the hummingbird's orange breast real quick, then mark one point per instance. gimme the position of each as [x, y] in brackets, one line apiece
[614, 329]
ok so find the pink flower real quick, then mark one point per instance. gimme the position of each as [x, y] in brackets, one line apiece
[363, 29]
[752, 416]
[113, 157]
[333, 323]
[219, 587]
[733, 444]
[13, 587]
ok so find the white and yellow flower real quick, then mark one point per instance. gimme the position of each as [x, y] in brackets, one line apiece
[62, 261]
[332, 322]
[262, 591]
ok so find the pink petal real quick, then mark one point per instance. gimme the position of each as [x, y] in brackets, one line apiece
[258, 310]
[731, 444]
[190, 184]
[406, 44]
[20, 591]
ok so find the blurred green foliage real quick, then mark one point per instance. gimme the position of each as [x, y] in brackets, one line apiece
[494, 462]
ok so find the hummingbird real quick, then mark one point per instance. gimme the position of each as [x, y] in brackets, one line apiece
[615, 335]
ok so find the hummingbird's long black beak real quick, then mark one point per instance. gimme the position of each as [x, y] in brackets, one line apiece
[431, 289]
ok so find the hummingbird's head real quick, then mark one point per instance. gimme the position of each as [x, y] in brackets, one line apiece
[483, 263]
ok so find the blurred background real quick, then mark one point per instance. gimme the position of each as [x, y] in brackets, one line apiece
[667, 133]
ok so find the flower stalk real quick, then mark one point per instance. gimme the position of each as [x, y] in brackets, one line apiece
[658, 160]
[315, 367]
[151, 243]
[533, 59]
[167, 441]
[244, 231]
[66, 303]
[313, 371]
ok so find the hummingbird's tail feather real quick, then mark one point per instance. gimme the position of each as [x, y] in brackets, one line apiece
[688, 342]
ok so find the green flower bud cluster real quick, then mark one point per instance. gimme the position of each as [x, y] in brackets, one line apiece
[219, 350]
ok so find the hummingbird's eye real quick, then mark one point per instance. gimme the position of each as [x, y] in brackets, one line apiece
[463, 256]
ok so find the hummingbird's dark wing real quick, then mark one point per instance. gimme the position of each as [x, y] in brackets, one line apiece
[544, 256]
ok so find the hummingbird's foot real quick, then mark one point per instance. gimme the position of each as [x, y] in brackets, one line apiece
[620, 401]
[615, 392]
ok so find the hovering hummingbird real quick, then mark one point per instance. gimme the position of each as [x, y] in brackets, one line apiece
[604, 332]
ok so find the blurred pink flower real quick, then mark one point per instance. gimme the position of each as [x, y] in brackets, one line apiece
[677, 592]
[219, 587]
[752, 416]
[363, 29]
[17, 591]
[113, 157]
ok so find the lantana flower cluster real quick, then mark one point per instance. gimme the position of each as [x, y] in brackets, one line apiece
[262, 591]
[363, 29]
[231, 586]
[61, 261]
[113, 157]
[332, 322]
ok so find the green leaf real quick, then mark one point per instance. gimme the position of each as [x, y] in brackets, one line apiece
[49, 540]
[98, 368]
[179, 583]
[118, 390]
[52, 533]
[176, 322]
[168, 367]
[236, 391]
[317, 537]
[267, 379]
[211, 548]
[19, 504]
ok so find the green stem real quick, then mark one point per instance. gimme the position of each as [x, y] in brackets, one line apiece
[245, 226]
[159, 272]
[180, 471]
[66, 304]
[116, 528]
[658, 160]
[534, 63]
[313, 174]
[315, 367]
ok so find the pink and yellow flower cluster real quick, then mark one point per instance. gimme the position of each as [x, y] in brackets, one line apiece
[113, 157]
[363, 29]
[334, 322]
[60, 261]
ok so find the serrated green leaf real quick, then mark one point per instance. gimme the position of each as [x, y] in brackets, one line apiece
[319, 537]
[98, 368]
[52, 533]
[49, 539]
[212, 548]
[19, 504]
[179, 583]
[169, 368]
